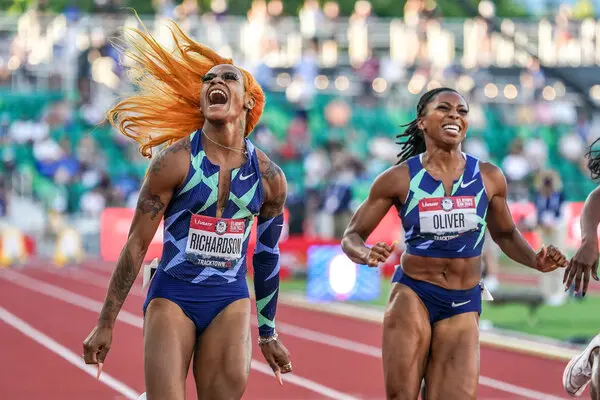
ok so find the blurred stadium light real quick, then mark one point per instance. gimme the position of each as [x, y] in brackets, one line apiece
[331, 275]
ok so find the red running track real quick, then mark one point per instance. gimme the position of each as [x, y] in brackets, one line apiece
[334, 357]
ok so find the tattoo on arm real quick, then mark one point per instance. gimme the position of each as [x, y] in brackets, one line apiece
[149, 202]
[273, 179]
[274, 207]
[158, 163]
[120, 284]
[150, 206]
[272, 171]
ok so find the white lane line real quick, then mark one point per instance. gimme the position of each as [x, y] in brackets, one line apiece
[523, 343]
[507, 387]
[106, 267]
[67, 296]
[65, 353]
[373, 351]
[305, 383]
[126, 317]
[92, 278]
[326, 339]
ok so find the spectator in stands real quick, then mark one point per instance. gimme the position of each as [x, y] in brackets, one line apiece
[549, 199]
[367, 72]
[3, 199]
[517, 170]
[338, 194]
[164, 8]
[311, 18]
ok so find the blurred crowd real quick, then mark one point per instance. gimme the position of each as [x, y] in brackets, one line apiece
[338, 90]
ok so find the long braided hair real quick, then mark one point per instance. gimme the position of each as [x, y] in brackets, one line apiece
[415, 140]
[593, 156]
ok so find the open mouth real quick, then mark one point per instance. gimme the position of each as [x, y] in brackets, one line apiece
[453, 128]
[217, 97]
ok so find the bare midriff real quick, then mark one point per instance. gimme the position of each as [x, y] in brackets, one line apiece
[449, 273]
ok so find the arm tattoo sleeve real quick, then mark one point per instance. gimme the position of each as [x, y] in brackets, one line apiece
[120, 283]
[266, 272]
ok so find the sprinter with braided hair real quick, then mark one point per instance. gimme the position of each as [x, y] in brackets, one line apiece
[445, 199]
[415, 142]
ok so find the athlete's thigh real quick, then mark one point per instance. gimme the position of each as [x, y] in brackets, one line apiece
[406, 340]
[223, 354]
[169, 339]
[453, 366]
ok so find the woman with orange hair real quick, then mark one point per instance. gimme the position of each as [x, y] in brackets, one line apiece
[209, 182]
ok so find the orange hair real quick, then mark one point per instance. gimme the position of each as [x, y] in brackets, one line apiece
[166, 106]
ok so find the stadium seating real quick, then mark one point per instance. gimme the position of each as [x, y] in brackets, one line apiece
[277, 117]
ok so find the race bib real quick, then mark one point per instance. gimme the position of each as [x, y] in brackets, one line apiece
[215, 242]
[443, 216]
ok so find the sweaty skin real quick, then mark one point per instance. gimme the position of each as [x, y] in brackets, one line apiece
[227, 339]
[445, 164]
[450, 273]
[446, 354]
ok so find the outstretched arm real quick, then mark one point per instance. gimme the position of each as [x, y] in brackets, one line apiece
[384, 190]
[504, 232]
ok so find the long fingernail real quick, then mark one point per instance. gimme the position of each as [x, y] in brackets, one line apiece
[278, 376]
[100, 365]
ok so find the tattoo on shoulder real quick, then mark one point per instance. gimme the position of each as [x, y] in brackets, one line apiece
[274, 179]
[272, 171]
[159, 163]
[181, 144]
[149, 202]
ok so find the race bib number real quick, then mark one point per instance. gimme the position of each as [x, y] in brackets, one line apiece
[443, 216]
[215, 242]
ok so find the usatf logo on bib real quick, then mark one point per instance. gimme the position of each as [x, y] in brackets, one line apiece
[442, 216]
[221, 227]
[447, 204]
[215, 242]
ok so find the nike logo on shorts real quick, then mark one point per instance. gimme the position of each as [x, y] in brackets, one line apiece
[460, 304]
